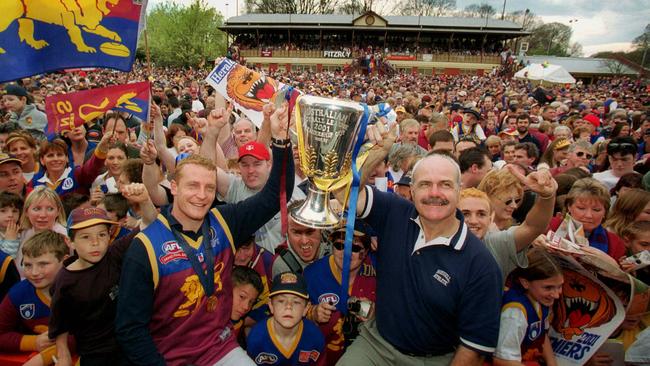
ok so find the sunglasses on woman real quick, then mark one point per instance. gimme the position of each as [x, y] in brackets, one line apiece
[339, 245]
[582, 153]
[509, 202]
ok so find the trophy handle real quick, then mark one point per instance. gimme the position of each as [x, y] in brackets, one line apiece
[316, 211]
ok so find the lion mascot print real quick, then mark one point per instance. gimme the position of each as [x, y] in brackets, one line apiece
[249, 88]
[583, 304]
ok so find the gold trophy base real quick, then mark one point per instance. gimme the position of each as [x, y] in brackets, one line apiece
[315, 212]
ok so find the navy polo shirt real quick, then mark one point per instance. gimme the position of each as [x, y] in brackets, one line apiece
[431, 300]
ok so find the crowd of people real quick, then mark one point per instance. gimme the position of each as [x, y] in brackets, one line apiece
[158, 242]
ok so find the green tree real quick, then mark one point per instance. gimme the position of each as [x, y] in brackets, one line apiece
[427, 8]
[184, 35]
[551, 39]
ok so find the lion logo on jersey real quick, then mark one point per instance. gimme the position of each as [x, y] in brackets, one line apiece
[249, 88]
[193, 292]
[583, 304]
[74, 15]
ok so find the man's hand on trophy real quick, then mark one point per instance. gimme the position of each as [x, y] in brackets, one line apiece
[280, 123]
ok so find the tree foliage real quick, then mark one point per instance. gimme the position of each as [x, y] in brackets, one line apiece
[551, 39]
[184, 35]
[642, 41]
[483, 10]
[427, 8]
[292, 6]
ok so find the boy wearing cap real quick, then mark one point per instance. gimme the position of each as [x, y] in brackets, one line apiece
[286, 338]
[18, 102]
[84, 298]
[338, 319]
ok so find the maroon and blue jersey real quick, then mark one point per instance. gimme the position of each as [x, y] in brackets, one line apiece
[532, 346]
[324, 285]
[265, 349]
[179, 308]
[24, 313]
[262, 263]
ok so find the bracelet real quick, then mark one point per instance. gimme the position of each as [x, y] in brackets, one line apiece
[280, 143]
[546, 197]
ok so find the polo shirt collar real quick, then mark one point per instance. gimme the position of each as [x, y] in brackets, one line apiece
[45, 179]
[457, 241]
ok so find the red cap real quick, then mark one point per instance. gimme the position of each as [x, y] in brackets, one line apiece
[509, 131]
[90, 216]
[593, 119]
[254, 149]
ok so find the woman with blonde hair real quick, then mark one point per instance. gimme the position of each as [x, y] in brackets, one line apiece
[630, 207]
[505, 192]
[588, 202]
[42, 211]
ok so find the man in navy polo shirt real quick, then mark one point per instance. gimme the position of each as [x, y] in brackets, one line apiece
[438, 287]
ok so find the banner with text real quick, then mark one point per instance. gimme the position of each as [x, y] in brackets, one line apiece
[337, 54]
[67, 111]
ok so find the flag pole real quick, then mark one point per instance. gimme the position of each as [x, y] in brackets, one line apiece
[146, 50]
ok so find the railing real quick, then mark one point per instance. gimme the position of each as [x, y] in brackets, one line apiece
[438, 57]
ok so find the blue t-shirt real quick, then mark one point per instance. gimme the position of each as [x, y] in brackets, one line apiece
[431, 300]
[265, 349]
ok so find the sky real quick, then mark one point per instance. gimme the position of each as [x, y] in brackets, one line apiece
[598, 25]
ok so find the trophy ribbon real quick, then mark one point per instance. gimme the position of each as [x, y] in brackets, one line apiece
[352, 208]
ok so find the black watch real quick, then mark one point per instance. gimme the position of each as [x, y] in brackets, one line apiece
[280, 143]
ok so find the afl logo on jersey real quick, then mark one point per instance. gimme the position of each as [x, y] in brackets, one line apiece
[67, 183]
[329, 298]
[172, 252]
[266, 358]
[27, 310]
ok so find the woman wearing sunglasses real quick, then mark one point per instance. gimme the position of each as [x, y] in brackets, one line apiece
[505, 192]
[338, 320]
[588, 202]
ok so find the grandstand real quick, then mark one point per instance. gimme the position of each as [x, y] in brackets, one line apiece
[317, 42]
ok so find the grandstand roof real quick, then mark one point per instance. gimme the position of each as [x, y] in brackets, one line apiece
[407, 23]
[584, 65]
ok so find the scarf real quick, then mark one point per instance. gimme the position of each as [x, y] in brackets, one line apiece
[598, 239]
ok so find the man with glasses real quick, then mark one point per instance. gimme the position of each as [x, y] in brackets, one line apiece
[621, 153]
[340, 321]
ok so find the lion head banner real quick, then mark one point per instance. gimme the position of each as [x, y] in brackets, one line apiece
[584, 316]
[248, 89]
[39, 36]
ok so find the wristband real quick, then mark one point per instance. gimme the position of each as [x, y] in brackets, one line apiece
[280, 143]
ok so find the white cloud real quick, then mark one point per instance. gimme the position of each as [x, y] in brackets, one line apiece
[612, 47]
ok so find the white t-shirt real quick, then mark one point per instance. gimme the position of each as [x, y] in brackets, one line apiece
[607, 178]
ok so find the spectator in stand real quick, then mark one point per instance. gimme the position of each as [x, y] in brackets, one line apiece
[562, 132]
[579, 155]
[493, 144]
[632, 206]
[21, 108]
[11, 205]
[5, 129]
[11, 175]
[22, 145]
[508, 152]
[555, 155]
[627, 182]
[62, 178]
[621, 153]
[441, 141]
[506, 193]
[465, 143]
[474, 164]
[526, 154]
[523, 124]
[588, 202]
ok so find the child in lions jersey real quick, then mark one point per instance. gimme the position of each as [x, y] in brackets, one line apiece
[286, 338]
[25, 311]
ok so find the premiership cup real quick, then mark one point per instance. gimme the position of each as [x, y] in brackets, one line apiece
[327, 130]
